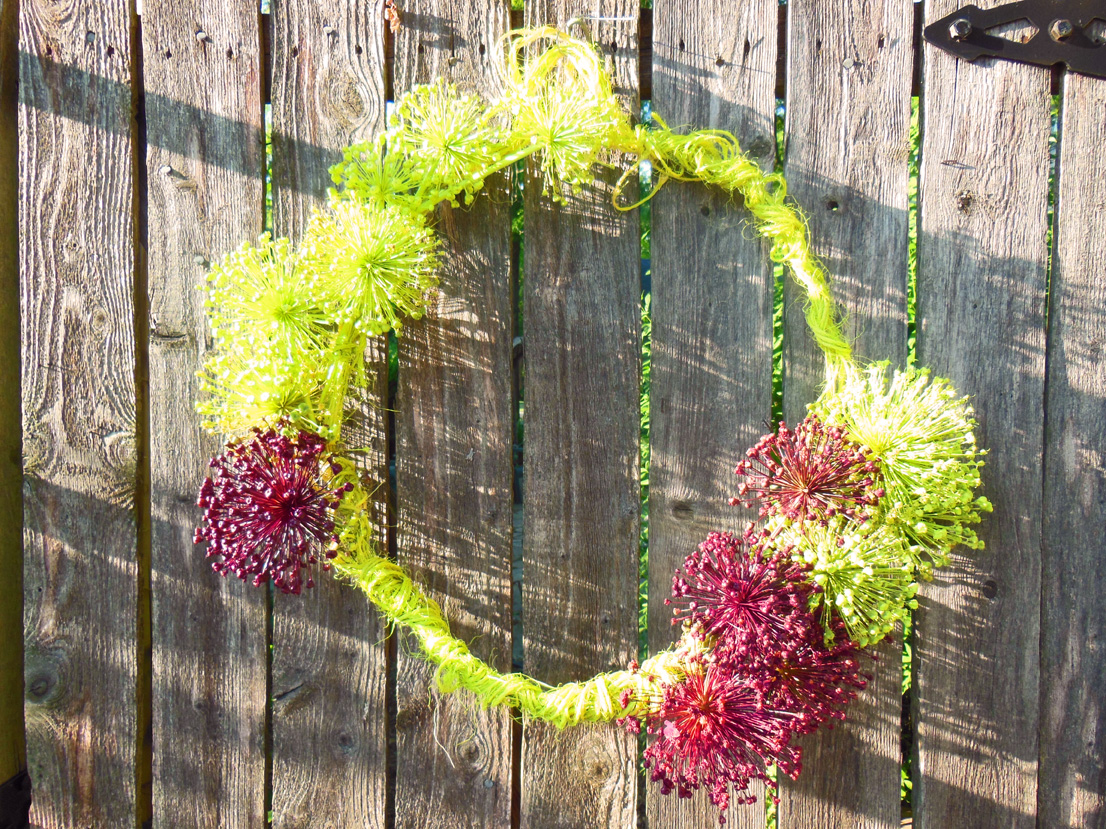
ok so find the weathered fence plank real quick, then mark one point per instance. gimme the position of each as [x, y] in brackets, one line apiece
[1071, 790]
[454, 456]
[77, 258]
[329, 672]
[848, 121]
[981, 304]
[204, 160]
[711, 314]
[13, 750]
[582, 324]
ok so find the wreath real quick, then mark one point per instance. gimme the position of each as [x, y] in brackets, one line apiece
[870, 492]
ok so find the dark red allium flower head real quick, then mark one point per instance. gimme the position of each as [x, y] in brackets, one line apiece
[754, 600]
[818, 680]
[269, 508]
[812, 473]
[711, 731]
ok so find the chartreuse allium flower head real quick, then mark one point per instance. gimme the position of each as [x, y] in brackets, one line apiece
[559, 95]
[270, 337]
[866, 577]
[370, 174]
[922, 431]
[375, 266]
[452, 137]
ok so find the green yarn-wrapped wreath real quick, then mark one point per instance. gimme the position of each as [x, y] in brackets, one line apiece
[870, 492]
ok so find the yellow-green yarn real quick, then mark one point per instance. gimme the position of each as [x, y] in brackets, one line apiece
[715, 157]
[405, 605]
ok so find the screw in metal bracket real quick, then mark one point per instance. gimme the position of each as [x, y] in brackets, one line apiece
[960, 29]
[1061, 29]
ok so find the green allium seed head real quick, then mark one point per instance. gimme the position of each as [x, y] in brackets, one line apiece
[270, 334]
[922, 431]
[452, 137]
[864, 573]
[373, 266]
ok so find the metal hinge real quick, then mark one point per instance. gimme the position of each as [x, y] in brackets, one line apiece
[1068, 32]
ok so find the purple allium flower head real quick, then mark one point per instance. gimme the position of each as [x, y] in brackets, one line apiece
[753, 598]
[269, 508]
[711, 731]
[754, 601]
[812, 473]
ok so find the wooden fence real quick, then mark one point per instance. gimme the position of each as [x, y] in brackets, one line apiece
[153, 692]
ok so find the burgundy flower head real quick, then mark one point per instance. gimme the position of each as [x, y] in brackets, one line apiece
[812, 473]
[754, 601]
[269, 508]
[753, 598]
[712, 731]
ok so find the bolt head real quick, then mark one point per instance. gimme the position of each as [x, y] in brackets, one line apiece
[960, 29]
[1061, 29]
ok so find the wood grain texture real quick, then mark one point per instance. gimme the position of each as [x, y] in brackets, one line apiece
[1072, 789]
[76, 226]
[454, 456]
[13, 750]
[981, 313]
[711, 314]
[848, 122]
[204, 162]
[329, 660]
[582, 323]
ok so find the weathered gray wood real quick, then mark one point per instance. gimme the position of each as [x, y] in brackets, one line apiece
[455, 472]
[329, 659]
[848, 121]
[581, 506]
[981, 303]
[714, 67]
[77, 259]
[1072, 791]
[13, 750]
[204, 165]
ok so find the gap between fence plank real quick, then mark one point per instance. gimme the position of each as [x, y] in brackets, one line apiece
[13, 748]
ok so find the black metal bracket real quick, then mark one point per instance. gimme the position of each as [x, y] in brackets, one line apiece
[1069, 32]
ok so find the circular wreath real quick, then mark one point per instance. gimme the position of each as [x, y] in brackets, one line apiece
[868, 493]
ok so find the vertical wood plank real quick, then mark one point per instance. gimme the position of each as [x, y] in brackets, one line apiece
[329, 662]
[1071, 790]
[581, 504]
[13, 750]
[204, 167]
[981, 304]
[713, 67]
[454, 445]
[76, 226]
[848, 120]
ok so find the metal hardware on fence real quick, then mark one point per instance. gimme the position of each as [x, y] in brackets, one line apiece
[1063, 34]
